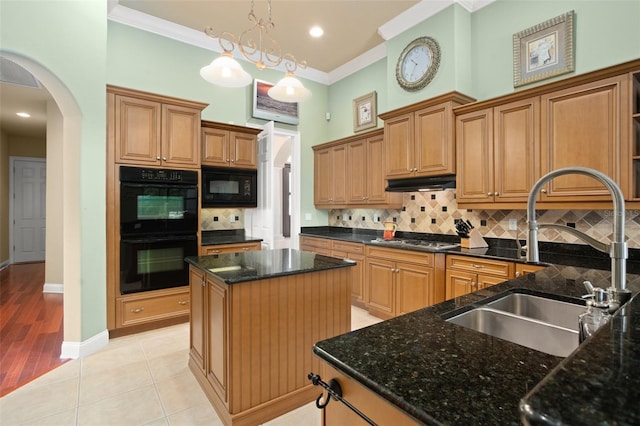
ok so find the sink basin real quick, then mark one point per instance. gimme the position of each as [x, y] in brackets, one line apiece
[551, 311]
[539, 323]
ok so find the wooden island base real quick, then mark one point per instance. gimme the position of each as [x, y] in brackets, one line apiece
[251, 342]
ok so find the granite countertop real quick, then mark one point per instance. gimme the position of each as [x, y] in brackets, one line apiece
[440, 373]
[257, 265]
[231, 236]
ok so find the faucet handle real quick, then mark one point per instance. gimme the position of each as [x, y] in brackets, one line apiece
[599, 296]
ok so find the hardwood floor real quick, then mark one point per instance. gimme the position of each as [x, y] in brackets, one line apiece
[31, 328]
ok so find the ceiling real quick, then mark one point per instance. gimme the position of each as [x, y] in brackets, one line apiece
[352, 30]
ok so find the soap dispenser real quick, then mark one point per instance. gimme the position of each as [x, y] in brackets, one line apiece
[597, 313]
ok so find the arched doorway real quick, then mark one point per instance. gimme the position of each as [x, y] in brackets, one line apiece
[65, 139]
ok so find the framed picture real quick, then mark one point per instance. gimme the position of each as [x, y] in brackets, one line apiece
[265, 107]
[365, 112]
[544, 50]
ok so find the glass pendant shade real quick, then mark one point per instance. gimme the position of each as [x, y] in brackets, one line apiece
[289, 89]
[226, 71]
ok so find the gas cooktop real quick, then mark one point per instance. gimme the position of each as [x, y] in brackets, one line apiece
[434, 245]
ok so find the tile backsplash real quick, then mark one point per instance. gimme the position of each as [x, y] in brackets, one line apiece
[435, 212]
[218, 219]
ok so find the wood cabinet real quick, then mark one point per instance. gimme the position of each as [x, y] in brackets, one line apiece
[466, 274]
[401, 281]
[369, 403]
[342, 250]
[581, 126]
[146, 307]
[419, 138]
[153, 130]
[230, 248]
[226, 145]
[504, 145]
[350, 172]
[497, 153]
[330, 169]
[197, 338]
[258, 340]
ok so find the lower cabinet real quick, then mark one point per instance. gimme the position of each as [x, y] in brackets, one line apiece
[367, 402]
[148, 307]
[401, 281]
[524, 269]
[230, 248]
[467, 274]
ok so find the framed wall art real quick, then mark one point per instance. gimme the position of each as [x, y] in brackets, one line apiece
[265, 107]
[365, 112]
[544, 50]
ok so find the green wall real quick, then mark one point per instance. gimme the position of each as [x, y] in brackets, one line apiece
[68, 38]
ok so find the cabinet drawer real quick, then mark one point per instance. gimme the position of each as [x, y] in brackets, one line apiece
[353, 248]
[410, 256]
[480, 266]
[315, 242]
[229, 248]
[140, 309]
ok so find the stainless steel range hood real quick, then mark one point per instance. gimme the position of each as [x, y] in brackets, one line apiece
[422, 184]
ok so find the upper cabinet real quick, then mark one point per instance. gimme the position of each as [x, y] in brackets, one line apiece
[419, 138]
[154, 130]
[506, 144]
[633, 151]
[226, 145]
[350, 172]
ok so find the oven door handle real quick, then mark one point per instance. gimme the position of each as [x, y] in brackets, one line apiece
[159, 185]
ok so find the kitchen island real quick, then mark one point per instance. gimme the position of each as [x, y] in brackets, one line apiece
[430, 371]
[254, 319]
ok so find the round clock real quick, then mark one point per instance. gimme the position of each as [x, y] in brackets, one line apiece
[418, 64]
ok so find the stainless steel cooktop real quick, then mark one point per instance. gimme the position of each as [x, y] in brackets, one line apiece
[434, 245]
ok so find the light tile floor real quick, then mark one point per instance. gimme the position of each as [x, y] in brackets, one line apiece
[141, 379]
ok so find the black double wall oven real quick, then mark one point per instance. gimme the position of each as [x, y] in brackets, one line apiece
[158, 227]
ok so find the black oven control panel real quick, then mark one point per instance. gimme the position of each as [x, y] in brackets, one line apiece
[139, 174]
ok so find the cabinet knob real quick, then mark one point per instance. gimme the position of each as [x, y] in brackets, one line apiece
[202, 281]
[496, 193]
[137, 310]
[164, 158]
[233, 161]
[182, 302]
[489, 194]
[518, 274]
[158, 157]
[544, 191]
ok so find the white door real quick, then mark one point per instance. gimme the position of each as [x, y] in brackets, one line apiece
[29, 210]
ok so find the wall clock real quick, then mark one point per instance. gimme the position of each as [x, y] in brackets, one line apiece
[418, 64]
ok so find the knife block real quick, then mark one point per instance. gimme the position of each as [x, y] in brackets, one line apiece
[475, 240]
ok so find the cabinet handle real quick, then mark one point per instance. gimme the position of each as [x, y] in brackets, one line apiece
[214, 251]
[489, 194]
[202, 281]
[164, 158]
[544, 191]
[518, 274]
[233, 161]
[245, 248]
[183, 302]
[496, 193]
[478, 266]
[158, 157]
[137, 310]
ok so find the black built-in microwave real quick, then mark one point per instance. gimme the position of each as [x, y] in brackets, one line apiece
[224, 187]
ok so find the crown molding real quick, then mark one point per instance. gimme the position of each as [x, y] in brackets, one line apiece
[367, 58]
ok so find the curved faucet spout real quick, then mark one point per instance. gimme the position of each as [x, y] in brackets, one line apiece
[618, 247]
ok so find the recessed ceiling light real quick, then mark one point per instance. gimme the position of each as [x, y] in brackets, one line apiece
[316, 31]
[23, 114]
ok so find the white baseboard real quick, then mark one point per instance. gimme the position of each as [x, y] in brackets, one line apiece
[53, 288]
[5, 264]
[75, 350]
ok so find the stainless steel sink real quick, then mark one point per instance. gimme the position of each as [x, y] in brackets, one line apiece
[539, 323]
[551, 311]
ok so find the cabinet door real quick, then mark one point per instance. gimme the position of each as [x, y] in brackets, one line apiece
[229, 248]
[180, 136]
[323, 177]
[398, 135]
[215, 147]
[217, 338]
[459, 283]
[339, 172]
[484, 281]
[524, 269]
[197, 323]
[474, 145]
[516, 143]
[434, 141]
[380, 287]
[137, 131]
[581, 127]
[412, 287]
[244, 150]
[357, 166]
[375, 180]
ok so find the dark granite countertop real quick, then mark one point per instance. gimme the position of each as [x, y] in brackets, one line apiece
[257, 265]
[440, 373]
[232, 236]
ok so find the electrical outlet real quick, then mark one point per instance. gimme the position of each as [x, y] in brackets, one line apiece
[513, 224]
[307, 216]
[233, 218]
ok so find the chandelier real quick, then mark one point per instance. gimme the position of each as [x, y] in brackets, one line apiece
[265, 53]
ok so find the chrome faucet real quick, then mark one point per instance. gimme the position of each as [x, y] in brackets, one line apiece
[618, 247]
